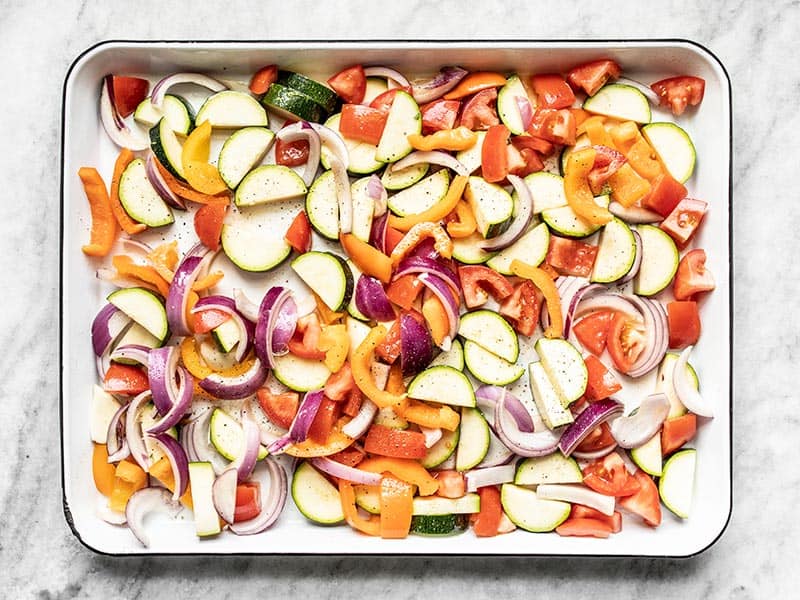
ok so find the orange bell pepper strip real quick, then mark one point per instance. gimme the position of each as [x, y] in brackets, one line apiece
[460, 138]
[368, 259]
[334, 341]
[395, 383]
[128, 225]
[162, 470]
[184, 191]
[434, 417]
[579, 192]
[397, 505]
[595, 128]
[466, 224]
[326, 315]
[127, 268]
[347, 495]
[193, 361]
[435, 213]
[104, 224]
[406, 469]
[207, 282]
[129, 478]
[547, 286]
[627, 186]
[361, 363]
[442, 242]
[103, 472]
[201, 175]
[639, 153]
[475, 82]
[436, 318]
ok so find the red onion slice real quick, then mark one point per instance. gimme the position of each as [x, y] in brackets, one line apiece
[246, 461]
[371, 299]
[443, 292]
[377, 234]
[134, 352]
[133, 430]
[162, 87]
[432, 157]
[391, 75]
[108, 325]
[478, 478]
[582, 292]
[177, 460]
[432, 435]
[271, 476]
[302, 131]
[113, 123]
[298, 430]
[525, 111]
[438, 86]
[161, 373]
[594, 414]
[425, 264]
[276, 324]
[595, 453]
[340, 471]
[488, 396]
[116, 444]
[538, 443]
[178, 296]
[377, 192]
[181, 404]
[416, 345]
[160, 184]
[576, 493]
[142, 503]
[223, 494]
[684, 387]
[612, 302]
[238, 386]
[520, 222]
[634, 430]
[633, 214]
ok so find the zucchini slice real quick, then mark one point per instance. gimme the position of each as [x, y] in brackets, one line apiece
[564, 221]
[252, 238]
[473, 441]
[315, 497]
[615, 252]
[400, 179]
[230, 109]
[491, 205]
[565, 367]
[530, 512]
[328, 275]
[300, 374]
[442, 384]
[322, 206]
[674, 148]
[490, 331]
[201, 480]
[530, 248]
[553, 468]
[420, 196]
[177, 111]
[361, 154]
[267, 184]
[488, 367]
[659, 261]
[144, 307]
[291, 104]
[546, 398]
[140, 199]
[167, 148]
[404, 119]
[619, 101]
[242, 151]
[318, 92]
[508, 108]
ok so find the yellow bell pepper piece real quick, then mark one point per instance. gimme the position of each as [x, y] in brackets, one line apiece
[335, 342]
[201, 175]
[361, 364]
[460, 138]
[435, 213]
[577, 190]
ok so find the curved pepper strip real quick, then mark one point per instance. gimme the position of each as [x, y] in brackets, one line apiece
[466, 224]
[406, 469]
[361, 365]
[368, 259]
[442, 242]
[187, 193]
[547, 286]
[579, 192]
[474, 83]
[127, 268]
[434, 417]
[636, 149]
[104, 224]
[128, 225]
[370, 526]
[435, 213]
[460, 138]
[397, 507]
[201, 175]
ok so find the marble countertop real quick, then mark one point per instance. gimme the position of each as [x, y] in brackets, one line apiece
[755, 558]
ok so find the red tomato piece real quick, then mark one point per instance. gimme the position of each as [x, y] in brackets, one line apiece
[306, 337]
[126, 380]
[554, 125]
[439, 115]
[580, 511]
[339, 384]
[389, 348]
[680, 92]
[598, 439]
[601, 382]
[362, 123]
[676, 432]
[523, 161]
[626, 340]
[552, 91]
[479, 111]
[522, 307]
[205, 320]
[607, 161]
[263, 78]
[404, 290]
[609, 476]
[291, 154]
[682, 223]
[384, 101]
[571, 257]
[683, 318]
[487, 522]
[128, 93]
[526, 140]
[644, 503]
[354, 401]
[298, 236]
[584, 527]
[208, 222]
[451, 484]
[692, 277]
[665, 194]
[248, 501]
[350, 456]
[393, 237]
[324, 420]
[494, 156]
[281, 409]
[350, 84]
[478, 282]
[591, 76]
[395, 443]
[592, 330]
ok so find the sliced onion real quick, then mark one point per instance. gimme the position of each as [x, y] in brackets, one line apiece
[576, 493]
[637, 259]
[133, 430]
[276, 324]
[298, 430]
[162, 87]
[303, 131]
[333, 142]
[358, 425]
[159, 184]
[377, 192]
[432, 435]
[612, 302]
[488, 396]
[182, 402]
[238, 386]
[142, 503]
[270, 476]
[582, 292]
[498, 453]
[634, 214]
[390, 74]
[426, 249]
[202, 450]
[424, 264]
[108, 515]
[645, 89]
[377, 234]
[223, 494]
[525, 110]
[538, 443]
[340, 471]
[432, 157]
[438, 86]
[344, 198]
[594, 414]
[116, 444]
[684, 388]
[178, 296]
[243, 324]
[371, 299]
[177, 460]
[113, 123]
[134, 352]
[522, 218]
[108, 325]
[657, 331]
[416, 345]
[443, 292]
[244, 305]
[246, 461]
[161, 373]
[478, 478]
[595, 454]
[634, 430]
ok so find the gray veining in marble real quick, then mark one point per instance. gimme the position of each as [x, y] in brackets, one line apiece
[756, 558]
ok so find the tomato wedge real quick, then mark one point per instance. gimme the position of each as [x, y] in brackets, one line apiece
[350, 84]
[682, 223]
[487, 522]
[601, 382]
[291, 154]
[439, 115]
[480, 112]
[552, 91]
[478, 282]
[609, 476]
[692, 277]
[683, 318]
[665, 194]
[298, 236]
[677, 431]
[592, 330]
[522, 307]
[591, 76]
[404, 290]
[208, 319]
[248, 501]
[362, 123]
[279, 408]
[554, 125]
[644, 503]
[584, 527]
[680, 92]
[128, 93]
[599, 438]
[208, 222]
[625, 342]
[263, 78]
[571, 257]
[127, 380]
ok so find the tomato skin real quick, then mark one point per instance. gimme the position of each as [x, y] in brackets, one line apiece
[591, 76]
[614, 521]
[389, 348]
[263, 78]
[644, 503]
[552, 91]
[350, 84]
[692, 277]
[584, 527]
[439, 115]
[395, 443]
[340, 383]
[665, 194]
[537, 144]
[625, 341]
[291, 154]
[126, 380]
[682, 223]
[592, 330]
[679, 92]
[204, 321]
[601, 382]
[494, 157]
[571, 257]
[522, 307]
[478, 282]
[480, 112]
[384, 101]
[523, 161]
[683, 318]
[248, 501]
[279, 408]
[554, 125]
[676, 432]
[208, 222]
[128, 93]
[362, 123]
[298, 236]
[306, 337]
[609, 476]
